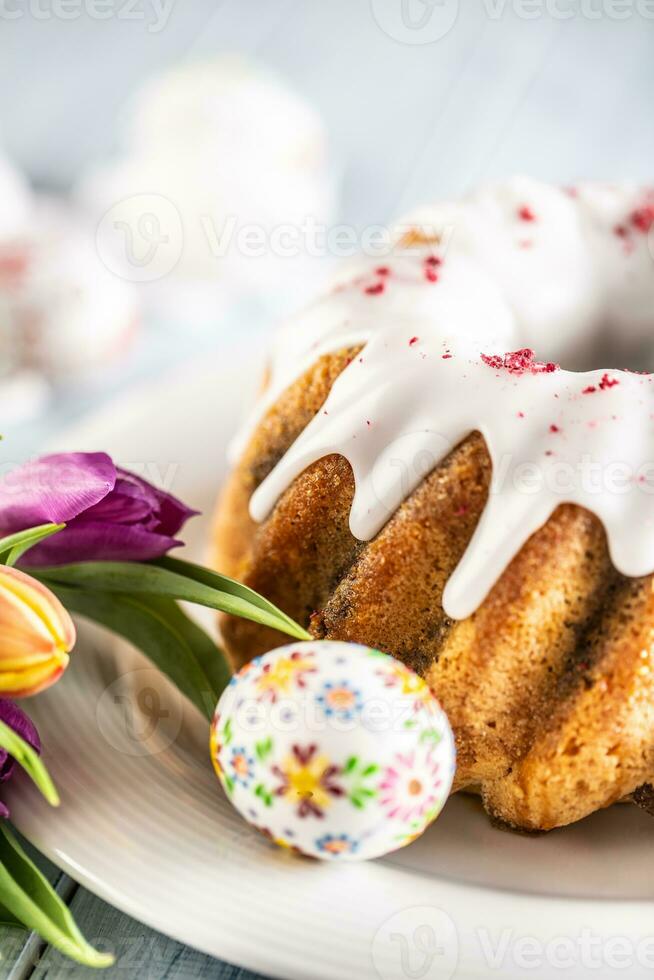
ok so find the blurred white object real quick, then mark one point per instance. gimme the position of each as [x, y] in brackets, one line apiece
[222, 168]
[15, 209]
[23, 397]
[15, 199]
[62, 312]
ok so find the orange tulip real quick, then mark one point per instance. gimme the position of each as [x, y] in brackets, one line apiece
[36, 635]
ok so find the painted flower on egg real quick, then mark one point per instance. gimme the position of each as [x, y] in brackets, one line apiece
[407, 683]
[336, 845]
[241, 765]
[308, 778]
[286, 673]
[340, 700]
[218, 740]
[409, 789]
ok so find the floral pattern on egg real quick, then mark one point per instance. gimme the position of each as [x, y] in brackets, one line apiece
[333, 750]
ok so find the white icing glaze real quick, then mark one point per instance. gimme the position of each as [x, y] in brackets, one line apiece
[519, 265]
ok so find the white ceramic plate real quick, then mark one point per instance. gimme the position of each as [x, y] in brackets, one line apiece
[144, 823]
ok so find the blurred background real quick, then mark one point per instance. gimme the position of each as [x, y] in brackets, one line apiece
[173, 173]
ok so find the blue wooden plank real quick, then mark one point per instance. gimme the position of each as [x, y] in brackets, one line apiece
[140, 952]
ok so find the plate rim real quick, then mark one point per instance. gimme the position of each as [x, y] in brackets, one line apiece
[626, 913]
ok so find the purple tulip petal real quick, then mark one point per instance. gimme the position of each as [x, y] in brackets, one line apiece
[111, 514]
[119, 507]
[16, 719]
[131, 483]
[173, 512]
[97, 541]
[54, 488]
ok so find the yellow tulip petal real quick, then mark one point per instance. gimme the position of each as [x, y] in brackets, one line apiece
[24, 683]
[54, 621]
[36, 633]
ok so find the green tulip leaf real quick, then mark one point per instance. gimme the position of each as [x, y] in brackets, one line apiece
[224, 584]
[30, 760]
[28, 897]
[14, 546]
[211, 658]
[163, 632]
[7, 919]
[150, 579]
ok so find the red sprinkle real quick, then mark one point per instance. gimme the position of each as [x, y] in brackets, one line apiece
[431, 275]
[383, 270]
[554, 428]
[375, 289]
[447, 357]
[414, 340]
[433, 260]
[519, 362]
[607, 382]
[526, 214]
[643, 218]
[589, 390]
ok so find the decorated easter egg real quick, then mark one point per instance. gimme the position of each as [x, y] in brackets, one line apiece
[332, 749]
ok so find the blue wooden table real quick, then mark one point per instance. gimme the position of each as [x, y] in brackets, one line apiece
[140, 952]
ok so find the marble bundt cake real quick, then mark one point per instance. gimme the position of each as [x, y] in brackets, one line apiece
[416, 479]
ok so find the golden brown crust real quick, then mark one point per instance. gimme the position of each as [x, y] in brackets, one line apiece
[547, 685]
[296, 557]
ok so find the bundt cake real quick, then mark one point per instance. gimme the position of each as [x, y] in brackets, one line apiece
[416, 479]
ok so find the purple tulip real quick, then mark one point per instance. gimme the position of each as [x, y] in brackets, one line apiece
[110, 513]
[20, 723]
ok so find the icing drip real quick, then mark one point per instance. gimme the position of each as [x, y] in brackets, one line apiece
[448, 326]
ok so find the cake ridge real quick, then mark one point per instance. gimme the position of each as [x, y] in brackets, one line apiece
[424, 381]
